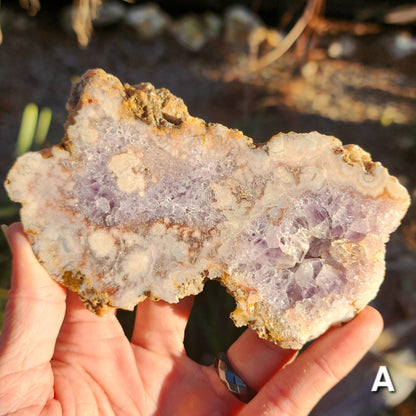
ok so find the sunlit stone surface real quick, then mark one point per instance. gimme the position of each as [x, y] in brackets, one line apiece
[143, 200]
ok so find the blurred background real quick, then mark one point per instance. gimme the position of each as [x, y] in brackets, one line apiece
[342, 68]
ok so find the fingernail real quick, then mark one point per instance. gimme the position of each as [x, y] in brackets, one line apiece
[5, 230]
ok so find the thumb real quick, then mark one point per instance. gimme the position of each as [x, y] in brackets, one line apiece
[34, 311]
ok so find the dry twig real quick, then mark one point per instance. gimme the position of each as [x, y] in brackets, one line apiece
[312, 8]
[84, 12]
[31, 6]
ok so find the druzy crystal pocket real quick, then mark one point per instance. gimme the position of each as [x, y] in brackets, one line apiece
[143, 200]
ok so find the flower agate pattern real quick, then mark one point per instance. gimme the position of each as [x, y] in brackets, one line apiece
[143, 200]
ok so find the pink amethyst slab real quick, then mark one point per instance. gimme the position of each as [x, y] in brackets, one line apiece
[143, 200]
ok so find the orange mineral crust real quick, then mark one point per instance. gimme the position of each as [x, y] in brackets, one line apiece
[143, 200]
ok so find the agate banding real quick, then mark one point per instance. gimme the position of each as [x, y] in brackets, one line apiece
[143, 200]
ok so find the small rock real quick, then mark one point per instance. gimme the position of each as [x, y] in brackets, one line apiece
[239, 23]
[110, 13]
[190, 32]
[402, 45]
[148, 20]
[212, 24]
[310, 69]
[193, 31]
[263, 36]
[342, 48]
[399, 367]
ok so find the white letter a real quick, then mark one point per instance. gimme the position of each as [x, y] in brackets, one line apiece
[383, 379]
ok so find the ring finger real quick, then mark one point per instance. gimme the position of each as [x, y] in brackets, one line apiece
[256, 360]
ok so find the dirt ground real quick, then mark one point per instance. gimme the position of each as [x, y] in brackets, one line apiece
[368, 98]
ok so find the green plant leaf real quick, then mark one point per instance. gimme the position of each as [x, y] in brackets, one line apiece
[9, 211]
[27, 129]
[44, 122]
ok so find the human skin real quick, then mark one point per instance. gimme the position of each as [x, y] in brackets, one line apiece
[57, 358]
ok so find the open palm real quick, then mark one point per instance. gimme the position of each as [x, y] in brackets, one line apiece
[57, 358]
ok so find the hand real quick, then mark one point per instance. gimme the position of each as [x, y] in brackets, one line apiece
[57, 358]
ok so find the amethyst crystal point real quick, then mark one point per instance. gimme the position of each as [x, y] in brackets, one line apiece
[143, 200]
